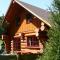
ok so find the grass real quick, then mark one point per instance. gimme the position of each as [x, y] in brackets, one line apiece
[20, 57]
[8, 57]
[28, 57]
[0, 43]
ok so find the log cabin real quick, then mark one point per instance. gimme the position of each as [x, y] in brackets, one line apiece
[26, 28]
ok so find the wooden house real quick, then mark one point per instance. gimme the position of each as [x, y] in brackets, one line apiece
[26, 29]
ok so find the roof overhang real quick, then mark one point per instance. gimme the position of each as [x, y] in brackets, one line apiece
[17, 1]
[33, 13]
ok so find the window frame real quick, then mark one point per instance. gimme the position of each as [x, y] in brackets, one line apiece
[32, 43]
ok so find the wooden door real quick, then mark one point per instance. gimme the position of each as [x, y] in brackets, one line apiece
[17, 44]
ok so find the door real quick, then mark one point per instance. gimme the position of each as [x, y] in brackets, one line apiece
[17, 44]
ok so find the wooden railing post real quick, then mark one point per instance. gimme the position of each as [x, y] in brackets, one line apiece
[12, 47]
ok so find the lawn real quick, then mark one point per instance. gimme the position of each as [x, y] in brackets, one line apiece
[0, 43]
[20, 57]
[8, 57]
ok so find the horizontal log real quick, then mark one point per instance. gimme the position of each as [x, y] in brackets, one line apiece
[23, 41]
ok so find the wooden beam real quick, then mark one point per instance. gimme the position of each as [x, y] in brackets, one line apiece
[30, 34]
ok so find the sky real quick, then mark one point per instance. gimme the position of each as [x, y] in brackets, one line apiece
[4, 4]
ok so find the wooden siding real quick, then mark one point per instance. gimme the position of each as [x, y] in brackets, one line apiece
[7, 41]
[28, 27]
[23, 27]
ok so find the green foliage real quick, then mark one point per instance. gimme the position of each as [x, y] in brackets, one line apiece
[1, 31]
[1, 23]
[8, 57]
[57, 5]
[56, 11]
[52, 48]
[28, 57]
[2, 47]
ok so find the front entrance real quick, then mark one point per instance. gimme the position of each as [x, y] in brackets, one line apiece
[17, 44]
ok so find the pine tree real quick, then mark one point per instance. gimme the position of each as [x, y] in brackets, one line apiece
[1, 23]
[52, 48]
[1, 31]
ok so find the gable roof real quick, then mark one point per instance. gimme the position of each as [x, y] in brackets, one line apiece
[42, 14]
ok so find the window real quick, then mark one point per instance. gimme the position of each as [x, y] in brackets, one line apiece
[29, 18]
[32, 41]
[17, 20]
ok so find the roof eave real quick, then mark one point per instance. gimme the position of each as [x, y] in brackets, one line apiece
[34, 13]
[8, 8]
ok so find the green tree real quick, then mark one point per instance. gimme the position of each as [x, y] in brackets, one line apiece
[52, 48]
[1, 24]
[2, 47]
[3, 29]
